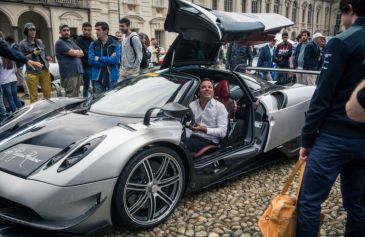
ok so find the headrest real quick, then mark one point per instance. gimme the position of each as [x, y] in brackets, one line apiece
[221, 90]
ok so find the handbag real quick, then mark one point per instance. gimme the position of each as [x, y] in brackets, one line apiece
[280, 218]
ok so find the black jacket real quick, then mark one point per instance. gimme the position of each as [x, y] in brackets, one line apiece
[84, 43]
[311, 57]
[12, 54]
[343, 69]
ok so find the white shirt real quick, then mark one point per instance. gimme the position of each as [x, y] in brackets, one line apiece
[7, 75]
[214, 117]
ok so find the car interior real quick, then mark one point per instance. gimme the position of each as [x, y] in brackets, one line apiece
[238, 105]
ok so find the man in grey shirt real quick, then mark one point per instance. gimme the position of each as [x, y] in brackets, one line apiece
[69, 56]
[299, 56]
[131, 50]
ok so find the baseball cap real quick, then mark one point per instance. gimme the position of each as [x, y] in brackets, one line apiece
[29, 25]
[318, 34]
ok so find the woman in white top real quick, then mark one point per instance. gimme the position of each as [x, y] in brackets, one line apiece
[8, 81]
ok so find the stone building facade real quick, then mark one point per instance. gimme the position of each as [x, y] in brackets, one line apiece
[148, 16]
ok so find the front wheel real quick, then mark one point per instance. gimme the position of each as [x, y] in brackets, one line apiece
[148, 189]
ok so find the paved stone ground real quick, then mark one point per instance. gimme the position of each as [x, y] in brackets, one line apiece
[233, 208]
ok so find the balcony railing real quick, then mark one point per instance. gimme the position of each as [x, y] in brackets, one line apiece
[63, 3]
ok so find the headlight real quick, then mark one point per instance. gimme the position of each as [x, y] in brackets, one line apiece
[80, 153]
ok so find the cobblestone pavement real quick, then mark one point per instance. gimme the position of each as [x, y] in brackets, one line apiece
[233, 208]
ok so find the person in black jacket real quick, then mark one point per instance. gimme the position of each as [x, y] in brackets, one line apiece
[332, 143]
[84, 41]
[312, 57]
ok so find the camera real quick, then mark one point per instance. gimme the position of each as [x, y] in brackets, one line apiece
[38, 49]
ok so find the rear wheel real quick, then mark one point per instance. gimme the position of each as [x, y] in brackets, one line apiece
[148, 189]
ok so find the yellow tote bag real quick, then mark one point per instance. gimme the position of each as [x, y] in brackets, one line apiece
[280, 218]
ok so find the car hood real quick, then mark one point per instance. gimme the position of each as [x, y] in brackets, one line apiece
[28, 149]
[202, 31]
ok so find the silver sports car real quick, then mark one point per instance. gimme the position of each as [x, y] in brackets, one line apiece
[75, 165]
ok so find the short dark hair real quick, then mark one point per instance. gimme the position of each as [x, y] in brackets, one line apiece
[86, 24]
[104, 25]
[125, 20]
[9, 39]
[305, 31]
[63, 26]
[299, 36]
[285, 33]
[206, 79]
[153, 39]
[358, 6]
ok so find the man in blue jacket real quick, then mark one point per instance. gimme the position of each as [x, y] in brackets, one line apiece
[104, 57]
[332, 143]
[312, 57]
[266, 58]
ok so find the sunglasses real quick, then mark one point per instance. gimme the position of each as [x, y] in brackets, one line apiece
[32, 29]
[64, 30]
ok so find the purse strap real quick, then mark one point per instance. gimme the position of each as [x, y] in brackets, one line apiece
[299, 165]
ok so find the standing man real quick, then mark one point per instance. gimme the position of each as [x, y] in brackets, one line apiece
[132, 50]
[282, 55]
[236, 54]
[119, 36]
[299, 56]
[104, 57]
[266, 58]
[69, 56]
[332, 143]
[155, 49]
[84, 41]
[34, 49]
[312, 57]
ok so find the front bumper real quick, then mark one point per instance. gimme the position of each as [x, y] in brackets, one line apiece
[73, 209]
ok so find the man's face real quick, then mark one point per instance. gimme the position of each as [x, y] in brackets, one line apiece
[272, 43]
[32, 32]
[123, 28]
[285, 38]
[100, 33]
[322, 43]
[304, 37]
[119, 35]
[65, 32]
[346, 19]
[206, 90]
[154, 42]
[86, 31]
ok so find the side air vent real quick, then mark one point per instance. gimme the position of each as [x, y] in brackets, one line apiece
[281, 99]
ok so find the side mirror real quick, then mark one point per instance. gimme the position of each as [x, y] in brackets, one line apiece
[174, 110]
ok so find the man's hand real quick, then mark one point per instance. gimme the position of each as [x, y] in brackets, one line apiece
[113, 54]
[34, 64]
[36, 51]
[304, 153]
[198, 128]
[96, 58]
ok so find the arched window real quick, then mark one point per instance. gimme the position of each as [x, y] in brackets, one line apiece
[287, 9]
[276, 6]
[228, 5]
[294, 12]
[304, 8]
[254, 7]
[243, 5]
[267, 7]
[326, 16]
[310, 14]
[214, 4]
[318, 15]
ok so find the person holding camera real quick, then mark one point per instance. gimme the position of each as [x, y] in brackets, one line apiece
[155, 49]
[34, 49]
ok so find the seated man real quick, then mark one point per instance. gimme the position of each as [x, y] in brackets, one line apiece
[211, 118]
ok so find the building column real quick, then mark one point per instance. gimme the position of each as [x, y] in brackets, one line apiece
[15, 33]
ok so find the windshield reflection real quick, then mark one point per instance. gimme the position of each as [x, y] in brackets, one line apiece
[135, 96]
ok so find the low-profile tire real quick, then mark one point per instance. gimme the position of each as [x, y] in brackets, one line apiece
[148, 189]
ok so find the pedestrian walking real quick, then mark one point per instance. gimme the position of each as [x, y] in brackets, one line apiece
[266, 54]
[312, 57]
[332, 143]
[8, 83]
[19, 68]
[69, 56]
[282, 55]
[146, 54]
[84, 41]
[33, 48]
[104, 57]
[298, 56]
[132, 50]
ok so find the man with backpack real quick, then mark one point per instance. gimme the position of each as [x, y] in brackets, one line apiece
[132, 50]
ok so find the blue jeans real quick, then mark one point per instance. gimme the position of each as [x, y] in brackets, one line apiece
[2, 106]
[10, 91]
[99, 88]
[86, 77]
[332, 155]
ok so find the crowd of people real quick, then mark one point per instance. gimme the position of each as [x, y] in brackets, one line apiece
[94, 63]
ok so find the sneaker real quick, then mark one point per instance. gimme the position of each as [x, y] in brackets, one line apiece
[25, 97]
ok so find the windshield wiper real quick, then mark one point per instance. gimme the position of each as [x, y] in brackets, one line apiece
[84, 107]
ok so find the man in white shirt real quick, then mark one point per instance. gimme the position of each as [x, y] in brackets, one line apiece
[211, 118]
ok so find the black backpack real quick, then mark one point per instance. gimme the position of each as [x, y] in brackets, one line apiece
[146, 54]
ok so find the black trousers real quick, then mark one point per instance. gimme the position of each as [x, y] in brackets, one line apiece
[195, 143]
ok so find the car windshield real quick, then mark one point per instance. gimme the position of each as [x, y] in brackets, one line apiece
[135, 96]
[256, 85]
